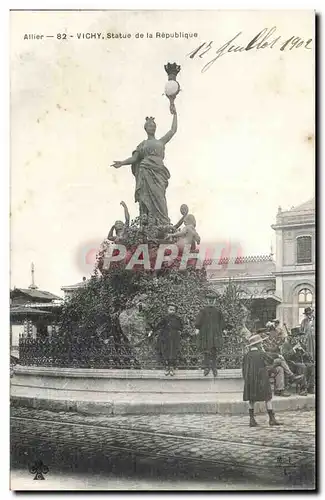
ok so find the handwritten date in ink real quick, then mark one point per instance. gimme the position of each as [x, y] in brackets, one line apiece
[265, 39]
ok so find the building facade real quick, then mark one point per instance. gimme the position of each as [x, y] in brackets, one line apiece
[255, 281]
[282, 287]
[295, 261]
[68, 290]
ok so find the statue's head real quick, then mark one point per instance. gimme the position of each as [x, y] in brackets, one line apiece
[119, 225]
[150, 125]
[190, 220]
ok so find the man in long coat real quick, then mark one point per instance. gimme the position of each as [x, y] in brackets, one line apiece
[257, 385]
[209, 329]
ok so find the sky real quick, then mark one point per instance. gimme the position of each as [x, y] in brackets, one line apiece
[244, 146]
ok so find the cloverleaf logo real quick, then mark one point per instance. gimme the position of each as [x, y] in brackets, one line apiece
[38, 469]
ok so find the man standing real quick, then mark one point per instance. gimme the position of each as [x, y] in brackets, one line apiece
[308, 330]
[209, 327]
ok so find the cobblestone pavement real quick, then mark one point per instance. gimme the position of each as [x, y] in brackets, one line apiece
[194, 446]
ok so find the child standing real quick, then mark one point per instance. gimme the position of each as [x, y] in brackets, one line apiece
[169, 335]
[257, 385]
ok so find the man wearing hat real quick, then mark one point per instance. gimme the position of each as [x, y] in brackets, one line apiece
[308, 330]
[257, 385]
[209, 327]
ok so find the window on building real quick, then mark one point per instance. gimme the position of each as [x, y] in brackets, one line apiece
[305, 299]
[304, 250]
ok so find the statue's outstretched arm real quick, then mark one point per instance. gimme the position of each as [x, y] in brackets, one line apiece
[126, 214]
[129, 161]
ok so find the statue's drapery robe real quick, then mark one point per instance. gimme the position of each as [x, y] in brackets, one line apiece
[151, 180]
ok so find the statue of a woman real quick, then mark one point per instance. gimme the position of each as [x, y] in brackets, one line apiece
[150, 172]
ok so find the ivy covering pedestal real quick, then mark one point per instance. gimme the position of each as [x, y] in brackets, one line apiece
[110, 318]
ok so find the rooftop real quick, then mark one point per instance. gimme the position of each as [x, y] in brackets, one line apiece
[250, 266]
[34, 294]
[26, 311]
[80, 284]
[302, 214]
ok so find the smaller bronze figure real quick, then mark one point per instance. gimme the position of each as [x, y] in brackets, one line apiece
[188, 234]
[120, 227]
[166, 231]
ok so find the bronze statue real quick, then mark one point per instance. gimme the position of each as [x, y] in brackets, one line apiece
[149, 170]
[188, 235]
[165, 229]
[120, 227]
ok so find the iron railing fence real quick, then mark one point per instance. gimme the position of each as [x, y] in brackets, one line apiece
[110, 354]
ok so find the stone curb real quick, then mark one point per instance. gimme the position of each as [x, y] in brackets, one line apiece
[133, 408]
[46, 371]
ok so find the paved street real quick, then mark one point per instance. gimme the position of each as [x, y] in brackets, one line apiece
[215, 450]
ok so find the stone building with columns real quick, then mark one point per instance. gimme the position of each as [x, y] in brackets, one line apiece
[295, 261]
[283, 285]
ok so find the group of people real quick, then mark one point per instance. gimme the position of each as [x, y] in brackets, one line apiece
[209, 327]
[288, 358]
[271, 353]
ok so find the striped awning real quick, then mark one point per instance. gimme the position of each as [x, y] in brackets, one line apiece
[24, 311]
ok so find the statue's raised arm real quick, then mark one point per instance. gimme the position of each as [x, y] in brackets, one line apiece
[126, 213]
[147, 160]
[167, 137]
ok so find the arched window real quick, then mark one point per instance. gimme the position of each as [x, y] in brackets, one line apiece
[305, 299]
[304, 250]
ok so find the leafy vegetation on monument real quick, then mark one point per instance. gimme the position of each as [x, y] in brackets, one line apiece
[91, 314]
